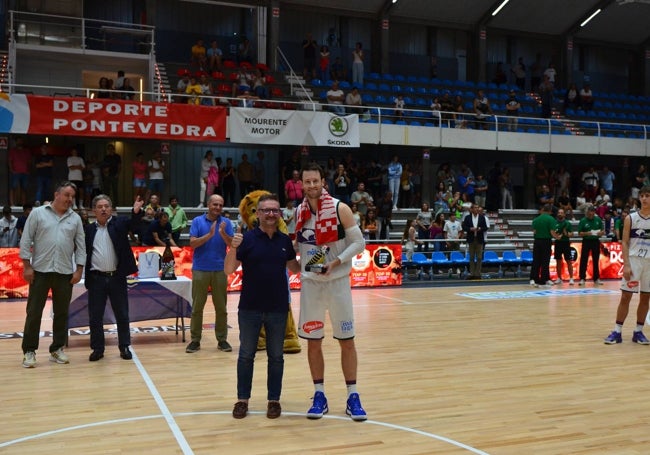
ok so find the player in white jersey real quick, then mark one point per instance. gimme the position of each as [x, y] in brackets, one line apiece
[636, 270]
[329, 238]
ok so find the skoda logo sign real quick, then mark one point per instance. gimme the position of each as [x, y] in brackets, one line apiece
[338, 126]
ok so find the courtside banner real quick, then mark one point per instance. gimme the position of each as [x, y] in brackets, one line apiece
[29, 114]
[274, 126]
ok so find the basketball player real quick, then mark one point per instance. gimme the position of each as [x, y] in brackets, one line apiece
[636, 270]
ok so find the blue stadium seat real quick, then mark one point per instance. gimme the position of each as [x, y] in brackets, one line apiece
[316, 82]
[396, 88]
[374, 76]
[371, 86]
[526, 257]
[387, 77]
[400, 122]
[367, 98]
[383, 87]
[400, 78]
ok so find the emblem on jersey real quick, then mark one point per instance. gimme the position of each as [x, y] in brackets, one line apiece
[632, 284]
[312, 326]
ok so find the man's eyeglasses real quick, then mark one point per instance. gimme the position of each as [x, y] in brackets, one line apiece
[270, 211]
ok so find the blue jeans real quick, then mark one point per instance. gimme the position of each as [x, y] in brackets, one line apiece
[43, 188]
[250, 323]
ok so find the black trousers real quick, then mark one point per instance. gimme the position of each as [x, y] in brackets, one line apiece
[590, 247]
[539, 270]
[101, 288]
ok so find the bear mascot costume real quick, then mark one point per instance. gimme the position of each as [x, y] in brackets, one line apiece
[247, 211]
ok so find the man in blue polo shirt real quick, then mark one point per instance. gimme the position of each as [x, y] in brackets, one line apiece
[264, 254]
[209, 235]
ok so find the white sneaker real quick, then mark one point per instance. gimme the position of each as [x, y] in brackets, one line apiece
[549, 283]
[558, 281]
[200, 206]
[29, 359]
[581, 283]
[599, 282]
[571, 282]
[59, 356]
[533, 284]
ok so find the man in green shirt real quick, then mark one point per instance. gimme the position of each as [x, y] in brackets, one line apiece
[177, 218]
[590, 229]
[544, 232]
[563, 246]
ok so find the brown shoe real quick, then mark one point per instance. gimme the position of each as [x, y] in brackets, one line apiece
[273, 410]
[240, 410]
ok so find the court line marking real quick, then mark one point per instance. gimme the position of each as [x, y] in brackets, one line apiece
[167, 414]
[284, 413]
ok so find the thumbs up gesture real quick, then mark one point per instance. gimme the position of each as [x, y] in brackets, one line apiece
[237, 238]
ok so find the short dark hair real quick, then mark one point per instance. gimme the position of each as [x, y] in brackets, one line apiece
[268, 197]
[313, 167]
[101, 197]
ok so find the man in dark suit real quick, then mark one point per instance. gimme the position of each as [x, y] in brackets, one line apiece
[475, 225]
[108, 262]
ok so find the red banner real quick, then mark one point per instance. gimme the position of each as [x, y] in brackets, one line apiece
[610, 262]
[112, 118]
[378, 265]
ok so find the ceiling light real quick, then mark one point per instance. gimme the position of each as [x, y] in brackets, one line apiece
[591, 17]
[496, 11]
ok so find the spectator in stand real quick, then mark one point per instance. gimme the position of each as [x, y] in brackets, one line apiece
[139, 176]
[447, 108]
[206, 91]
[561, 180]
[228, 183]
[586, 98]
[22, 219]
[215, 57]
[159, 231]
[156, 167]
[309, 47]
[460, 120]
[353, 101]
[338, 71]
[19, 160]
[395, 170]
[324, 63]
[436, 107]
[103, 91]
[480, 190]
[482, 110]
[572, 97]
[512, 108]
[244, 51]
[259, 84]
[245, 175]
[385, 214]
[342, 184]
[506, 187]
[357, 64]
[260, 171]
[563, 231]
[198, 55]
[453, 232]
[243, 83]
[369, 225]
[8, 230]
[289, 217]
[363, 200]
[640, 180]
[546, 89]
[356, 215]
[128, 92]
[590, 180]
[207, 163]
[536, 72]
[603, 203]
[335, 98]
[406, 186]
[177, 218]
[44, 164]
[293, 189]
[423, 222]
[582, 203]
[545, 197]
[551, 73]
[519, 71]
[75, 175]
[194, 91]
[247, 99]
[181, 86]
[564, 204]
[436, 232]
[590, 228]
[399, 106]
[410, 239]
[607, 179]
[466, 184]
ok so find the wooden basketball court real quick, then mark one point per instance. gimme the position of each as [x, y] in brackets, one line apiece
[503, 369]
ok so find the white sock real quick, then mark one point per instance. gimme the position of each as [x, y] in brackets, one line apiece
[639, 328]
[352, 388]
[319, 387]
[618, 328]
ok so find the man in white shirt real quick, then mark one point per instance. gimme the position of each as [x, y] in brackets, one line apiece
[156, 167]
[335, 98]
